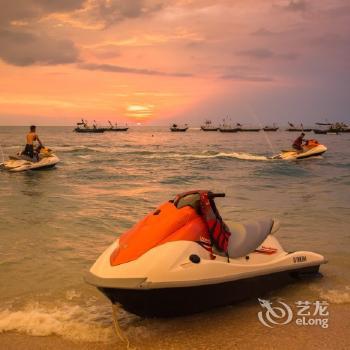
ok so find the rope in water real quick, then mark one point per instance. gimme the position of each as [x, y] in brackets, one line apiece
[3, 157]
[118, 331]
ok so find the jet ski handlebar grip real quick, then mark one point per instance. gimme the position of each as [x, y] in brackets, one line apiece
[215, 195]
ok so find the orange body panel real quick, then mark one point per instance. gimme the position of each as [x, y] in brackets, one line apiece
[311, 144]
[166, 224]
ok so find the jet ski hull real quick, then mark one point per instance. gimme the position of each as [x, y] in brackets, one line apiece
[168, 302]
[308, 153]
[18, 165]
[164, 282]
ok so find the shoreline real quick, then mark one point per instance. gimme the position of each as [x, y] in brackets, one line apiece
[197, 332]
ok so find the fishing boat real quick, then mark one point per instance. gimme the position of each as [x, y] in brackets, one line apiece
[338, 127]
[272, 127]
[178, 128]
[243, 128]
[83, 127]
[227, 126]
[320, 131]
[300, 128]
[208, 126]
[249, 129]
[116, 127]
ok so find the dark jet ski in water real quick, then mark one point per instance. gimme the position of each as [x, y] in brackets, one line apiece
[182, 258]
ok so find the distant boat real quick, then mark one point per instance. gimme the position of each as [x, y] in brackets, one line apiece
[116, 127]
[332, 128]
[272, 127]
[242, 128]
[228, 129]
[249, 129]
[320, 131]
[299, 130]
[88, 130]
[339, 127]
[177, 128]
[293, 128]
[208, 126]
[83, 127]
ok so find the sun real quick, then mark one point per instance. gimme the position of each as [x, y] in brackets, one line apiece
[140, 111]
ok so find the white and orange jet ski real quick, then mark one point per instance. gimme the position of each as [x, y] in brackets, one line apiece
[182, 258]
[46, 159]
[312, 148]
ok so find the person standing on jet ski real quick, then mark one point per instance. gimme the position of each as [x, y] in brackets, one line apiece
[298, 143]
[31, 137]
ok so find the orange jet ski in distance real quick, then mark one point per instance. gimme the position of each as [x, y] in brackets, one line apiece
[182, 258]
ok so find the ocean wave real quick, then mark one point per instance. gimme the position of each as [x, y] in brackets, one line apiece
[76, 149]
[236, 155]
[86, 323]
[336, 296]
[72, 322]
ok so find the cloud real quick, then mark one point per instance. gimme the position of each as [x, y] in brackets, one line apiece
[18, 10]
[23, 45]
[110, 12]
[23, 49]
[128, 70]
[263, 32]
[330, 40]
[338, 11]
[244, 73]
[263, 53]
[246, 77]
[297, 6]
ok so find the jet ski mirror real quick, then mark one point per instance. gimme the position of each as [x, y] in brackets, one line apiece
[215, 195]
[191, 200]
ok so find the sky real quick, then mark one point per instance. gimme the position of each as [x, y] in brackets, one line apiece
[162, 61]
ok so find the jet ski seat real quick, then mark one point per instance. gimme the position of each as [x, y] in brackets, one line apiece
[246, 237]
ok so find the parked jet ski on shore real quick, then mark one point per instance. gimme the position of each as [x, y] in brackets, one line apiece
[182, 258]
[46, 159]
[312, 148]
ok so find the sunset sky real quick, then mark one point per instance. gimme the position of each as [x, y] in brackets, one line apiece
[159, 61]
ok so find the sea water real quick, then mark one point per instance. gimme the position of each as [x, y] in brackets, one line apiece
[55, 223]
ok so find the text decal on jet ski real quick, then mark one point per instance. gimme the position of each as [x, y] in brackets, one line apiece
[299, 259]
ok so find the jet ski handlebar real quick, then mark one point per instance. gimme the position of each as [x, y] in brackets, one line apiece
[215, 195]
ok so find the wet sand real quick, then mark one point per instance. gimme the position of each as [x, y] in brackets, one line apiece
[228, 330]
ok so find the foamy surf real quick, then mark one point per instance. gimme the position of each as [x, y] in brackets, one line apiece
[87, 323]
[236, 155]
[336, 296]
[72, 322]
